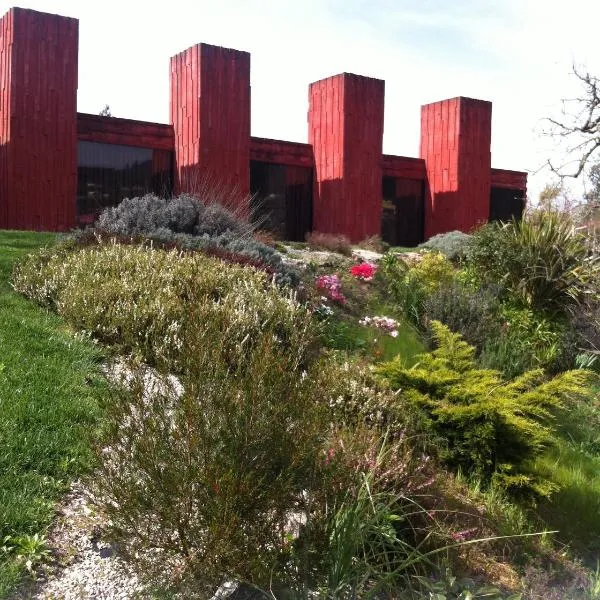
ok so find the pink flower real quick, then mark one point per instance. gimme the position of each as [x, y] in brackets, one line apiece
[364, 271]
[333, 286]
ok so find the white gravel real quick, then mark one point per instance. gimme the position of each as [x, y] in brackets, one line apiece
[83, 566]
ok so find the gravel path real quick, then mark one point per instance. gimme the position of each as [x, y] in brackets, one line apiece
[83, 566]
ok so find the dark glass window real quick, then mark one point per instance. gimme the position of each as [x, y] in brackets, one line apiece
[402, 215]
[281, 199]
[506, 203]
[107, 173]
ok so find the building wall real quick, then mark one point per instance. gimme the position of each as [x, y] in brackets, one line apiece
[38, 128]
[345, 129]
[455, 144]
[210, 114]
[209, 136]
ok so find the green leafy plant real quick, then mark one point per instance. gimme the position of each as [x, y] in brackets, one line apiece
[486, 426]
[525, 340]
[30, 549]
[543, 262]
[410, 285]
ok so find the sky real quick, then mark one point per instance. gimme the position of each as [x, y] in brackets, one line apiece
[516, 53]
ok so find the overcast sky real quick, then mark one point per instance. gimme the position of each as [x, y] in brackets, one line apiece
[516, 53]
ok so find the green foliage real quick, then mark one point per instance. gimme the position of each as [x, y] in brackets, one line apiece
[450, 587]
[542, 262]
[453, 245]
[29, 549]
[525, 340]
[469, 310]
[410, 285]
[490, 428]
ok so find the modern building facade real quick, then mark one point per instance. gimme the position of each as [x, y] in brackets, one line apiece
[59, 168]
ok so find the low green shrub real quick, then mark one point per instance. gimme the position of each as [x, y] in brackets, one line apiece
[138, 298]
[542, 262]
[454, 245]
[485, 426]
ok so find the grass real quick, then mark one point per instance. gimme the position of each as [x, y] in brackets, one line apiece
[574, 510]
[49, 390]
[342, 334]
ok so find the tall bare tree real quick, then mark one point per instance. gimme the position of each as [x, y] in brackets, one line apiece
[579, 126]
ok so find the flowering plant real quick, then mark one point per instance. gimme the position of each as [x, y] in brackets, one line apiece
[364, 271]
[390, 326]
[333, 286]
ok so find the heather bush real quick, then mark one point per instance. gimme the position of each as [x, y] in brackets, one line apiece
[454, 245]
[138, 298]
[203, 485]
[480, 423]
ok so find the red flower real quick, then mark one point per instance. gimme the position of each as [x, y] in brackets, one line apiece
[364, 271]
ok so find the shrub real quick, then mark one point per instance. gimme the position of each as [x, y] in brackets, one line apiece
[410, 286]
[526, 340]
[374, 243]
[453, 245]
[203, 484]
[542, 262]
[147, 215]
[470, 311]
[139, 298]
[186, 223]
[487, 427]
[329, 241]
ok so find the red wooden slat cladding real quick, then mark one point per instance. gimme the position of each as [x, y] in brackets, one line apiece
[345, 129]
[127, 132]
[279, 152]
[210, 113]
[403, 167]
[6, 37]
[513, 180]
[38, 167]
[455, 143]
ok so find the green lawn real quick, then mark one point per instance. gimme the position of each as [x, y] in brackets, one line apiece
[49, 390]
